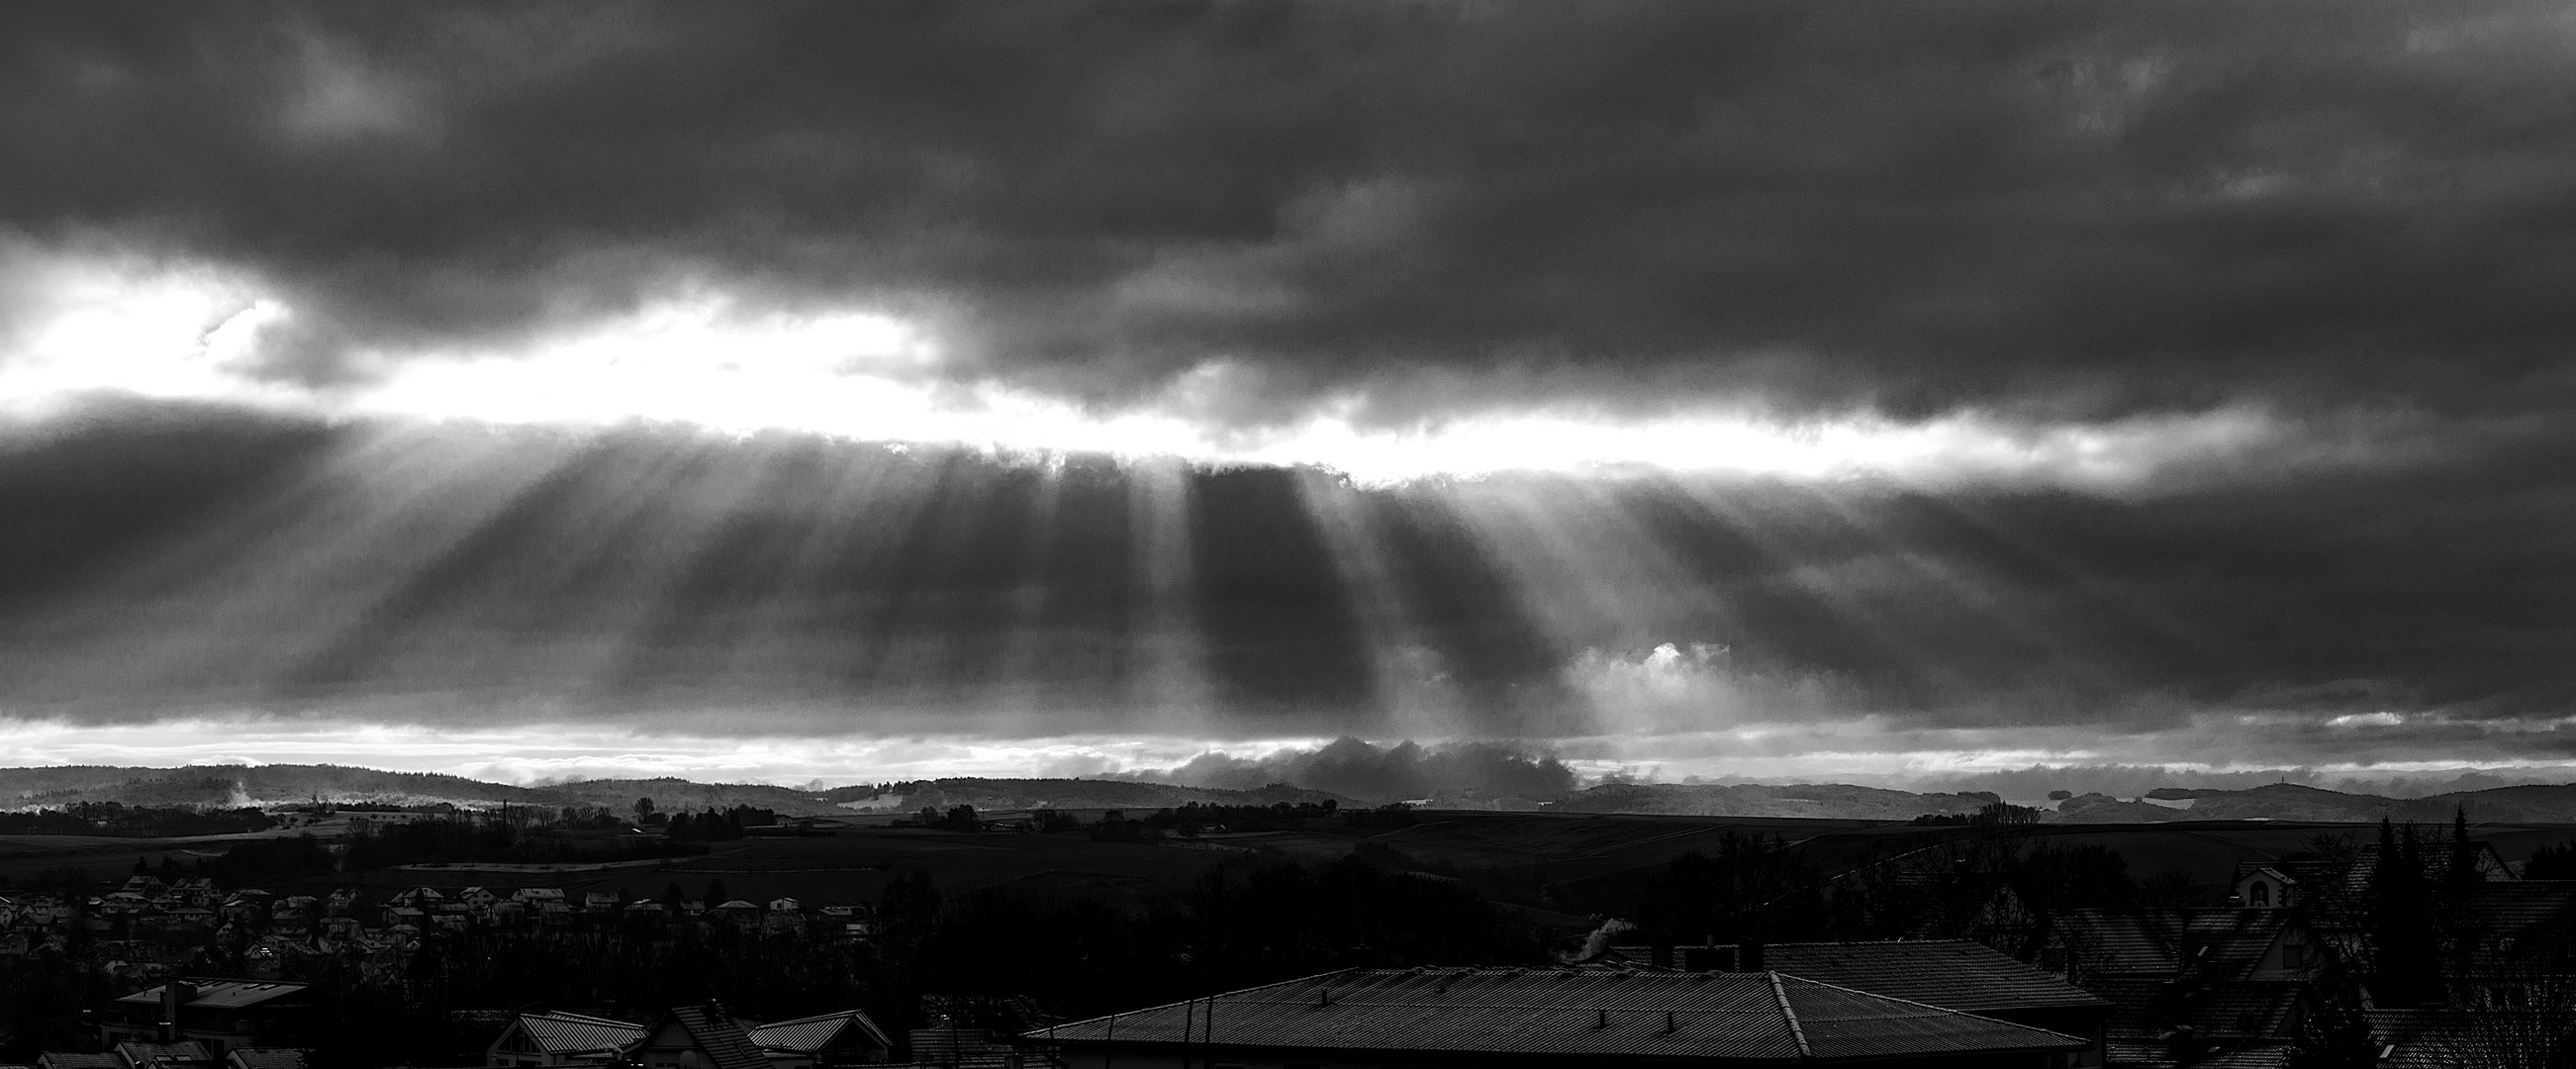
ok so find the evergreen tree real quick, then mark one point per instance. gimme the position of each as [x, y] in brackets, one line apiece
[2404, 958]
[2464, 854]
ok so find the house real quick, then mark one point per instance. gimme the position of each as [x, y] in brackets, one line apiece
[421, 897]
[55, 1059]
[2230, 986]
[742, 914]
[2264, 887]
[549, 1039]
[1520, 1016]
[478, 898]
[537, 896]
[223, 1014]
[598, 902]
[823, 1041]
[699, 1037]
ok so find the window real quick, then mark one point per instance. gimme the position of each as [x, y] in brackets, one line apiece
[2258, 893]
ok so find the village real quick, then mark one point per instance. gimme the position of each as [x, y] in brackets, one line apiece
[2404, 952]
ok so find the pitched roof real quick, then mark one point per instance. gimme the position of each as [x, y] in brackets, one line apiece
[1954, 974]
[719, 1036]
[567, 1033]
[2228, 942]
[220, 994]
[2244, 1009]
[2265, 1056]
[1757, 1016]
[187, 1051]
[2135, 1000]
[2118, 942]
[65, 1060]
[266, 1058]
[808, 1034]
[2502, 923]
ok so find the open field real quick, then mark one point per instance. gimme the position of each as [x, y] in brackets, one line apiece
[1592, 857]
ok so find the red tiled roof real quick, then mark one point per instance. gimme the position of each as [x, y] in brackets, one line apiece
[2249, 1009]
[1573, 1013]
[2227, 943]
[2109, 942]
[220, 994]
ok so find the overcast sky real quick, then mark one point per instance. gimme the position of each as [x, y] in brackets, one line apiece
[845, 389]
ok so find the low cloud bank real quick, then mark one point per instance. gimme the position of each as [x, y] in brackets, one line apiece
[1360, 769]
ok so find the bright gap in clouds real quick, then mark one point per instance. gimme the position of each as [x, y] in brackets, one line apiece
[194, 333]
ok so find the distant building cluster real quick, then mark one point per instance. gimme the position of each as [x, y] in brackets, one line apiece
[172, 934]
[148, 928]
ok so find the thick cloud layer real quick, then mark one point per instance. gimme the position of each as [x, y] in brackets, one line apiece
[2240, 331]
[2084, 209]
[167, 561]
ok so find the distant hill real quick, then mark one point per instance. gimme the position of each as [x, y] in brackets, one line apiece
[2540, 804]
[2104, 809]
[1092, 794]
[273, 785]
[1832, 800]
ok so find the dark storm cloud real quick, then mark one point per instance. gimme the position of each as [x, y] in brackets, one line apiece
[2076, 208]
[163, 561]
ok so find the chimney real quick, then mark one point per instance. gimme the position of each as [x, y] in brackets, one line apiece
[1748, 956]
[174, 994]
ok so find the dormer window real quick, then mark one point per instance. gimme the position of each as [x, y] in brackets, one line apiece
[2258, 893]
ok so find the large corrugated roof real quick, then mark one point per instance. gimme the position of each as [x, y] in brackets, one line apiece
[569, 1033]
[1753, 1016]
[221, 994]
[1952, 974]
